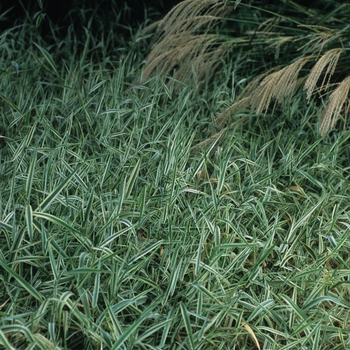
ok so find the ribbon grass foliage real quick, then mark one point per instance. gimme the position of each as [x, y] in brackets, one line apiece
[114, 234]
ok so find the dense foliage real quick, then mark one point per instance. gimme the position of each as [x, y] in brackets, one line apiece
[125, 225]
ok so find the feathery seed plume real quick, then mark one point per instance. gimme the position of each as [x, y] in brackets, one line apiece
[277, 85]
[335, 105]
[330, 59]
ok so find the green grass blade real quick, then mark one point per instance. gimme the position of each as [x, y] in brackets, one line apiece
[324, 299]
[303, 220]
[54, 219]
[53, 262]
[176, 265]
[316, 340]
[207, 292]
[25, 142]
[86, 301]
[16, 244]
[132, 179]
[5, 226]
[167, 328]
[4, 342]
[52, 65]
[117, 329]
[53, 195]
[29, 222]
[150, 331]
[21, 281]
[18, 328]
[311, 179]
[96, 291]
[187, 323]
[30, 175]
[88, 208]
[295, 307]
[10, 103]
[82, 319]
[130, 330]
[111, 238]
[151, 249]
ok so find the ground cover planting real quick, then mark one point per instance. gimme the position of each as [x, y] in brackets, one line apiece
[125, 225]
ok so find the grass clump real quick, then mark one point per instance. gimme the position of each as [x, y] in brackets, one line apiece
[115, 234]
[285, 44]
